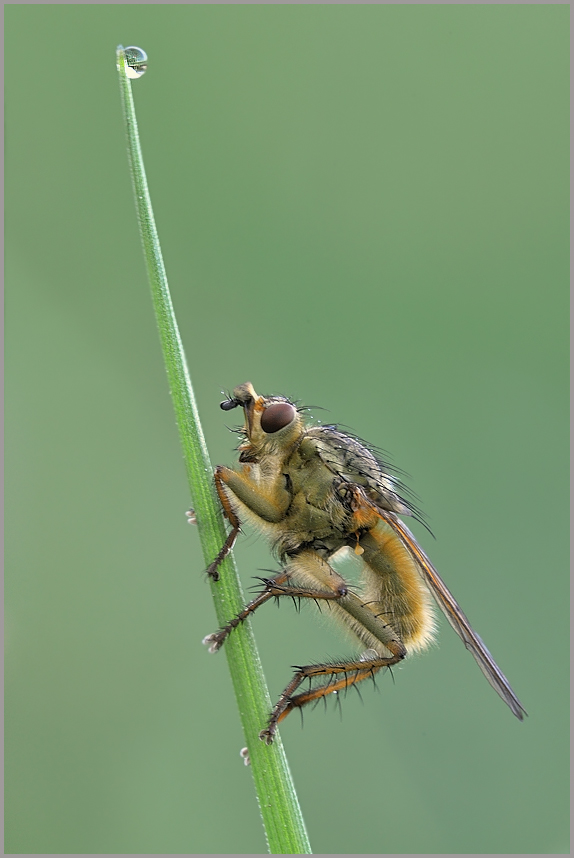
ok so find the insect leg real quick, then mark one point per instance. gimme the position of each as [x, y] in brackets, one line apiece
[269, 504]
[354, 671]
[274, 588]
[233, 520]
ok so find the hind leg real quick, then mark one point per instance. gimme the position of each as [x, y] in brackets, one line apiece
[342, 675]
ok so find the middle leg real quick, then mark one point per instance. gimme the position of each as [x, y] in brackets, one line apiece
[275, 587]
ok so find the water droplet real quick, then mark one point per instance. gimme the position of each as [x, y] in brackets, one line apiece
[136, 60]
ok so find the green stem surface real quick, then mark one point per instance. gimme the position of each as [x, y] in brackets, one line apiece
[278, 802]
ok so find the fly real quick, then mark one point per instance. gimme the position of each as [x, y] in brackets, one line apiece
[315, 492]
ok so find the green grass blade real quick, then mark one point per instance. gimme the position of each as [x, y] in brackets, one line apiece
[278, 803]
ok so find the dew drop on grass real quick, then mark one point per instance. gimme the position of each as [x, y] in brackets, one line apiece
[136, 60]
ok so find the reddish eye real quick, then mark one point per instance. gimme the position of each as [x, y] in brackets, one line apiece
[276, 417]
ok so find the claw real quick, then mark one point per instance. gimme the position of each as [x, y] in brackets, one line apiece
[212, 641]
[267, 736]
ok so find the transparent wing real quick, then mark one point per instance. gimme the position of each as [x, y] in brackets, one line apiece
[456, 617]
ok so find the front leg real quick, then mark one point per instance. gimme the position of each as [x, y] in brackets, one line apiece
[230, 515]
[267, 500]
[270, 504]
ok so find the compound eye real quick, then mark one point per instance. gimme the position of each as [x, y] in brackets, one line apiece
[277, 416]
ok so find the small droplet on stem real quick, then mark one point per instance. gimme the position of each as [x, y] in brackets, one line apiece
[136, 61]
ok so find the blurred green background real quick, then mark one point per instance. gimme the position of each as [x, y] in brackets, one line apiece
[364, 207]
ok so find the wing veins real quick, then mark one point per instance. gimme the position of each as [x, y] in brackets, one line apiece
[456, 617]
